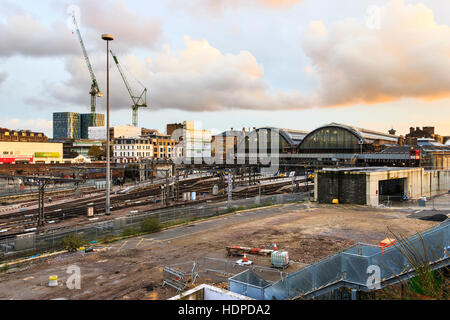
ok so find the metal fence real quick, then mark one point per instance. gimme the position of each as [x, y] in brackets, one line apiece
[178, 276]
[436, 203]
[226, 267]
[350, 269]
[94, 231]
[7, 189]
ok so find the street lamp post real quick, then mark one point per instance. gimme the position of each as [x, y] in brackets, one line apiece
[107, 38]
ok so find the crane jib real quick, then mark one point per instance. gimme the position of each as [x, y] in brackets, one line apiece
[94, 86]
[138, 101]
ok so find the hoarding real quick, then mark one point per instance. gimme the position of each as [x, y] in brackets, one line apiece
[46, 154]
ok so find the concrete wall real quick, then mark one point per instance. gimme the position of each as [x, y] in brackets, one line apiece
[418, 183]
[127, 132]
[347, 187]
[435, 183]
[440, 160]
[413, 178]
[208, 292]
[54, 151]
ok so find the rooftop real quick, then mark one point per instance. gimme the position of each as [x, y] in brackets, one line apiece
[368, 134]
[367, 169]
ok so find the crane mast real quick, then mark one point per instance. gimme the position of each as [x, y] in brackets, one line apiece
[95, 91]
[138, 101]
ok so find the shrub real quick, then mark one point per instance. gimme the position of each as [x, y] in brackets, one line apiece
[427, 283]
[4, 267]
[72, 243]
[150, 225]
[129, 231]
[107, 239]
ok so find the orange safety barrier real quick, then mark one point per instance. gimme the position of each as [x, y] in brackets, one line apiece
[386, 243]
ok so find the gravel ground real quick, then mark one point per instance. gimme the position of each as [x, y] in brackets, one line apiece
[132, 269]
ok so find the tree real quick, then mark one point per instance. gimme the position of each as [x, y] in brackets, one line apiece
[96, 152]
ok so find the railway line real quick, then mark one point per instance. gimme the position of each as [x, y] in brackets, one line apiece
[16, 223]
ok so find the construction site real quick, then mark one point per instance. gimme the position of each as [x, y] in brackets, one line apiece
[104, 211]
[228, 238]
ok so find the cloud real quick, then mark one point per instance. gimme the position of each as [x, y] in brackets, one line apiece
[3, 76]
[196, 78]
[131, 28]
[201, 78]
[407, 56]
[24, 34]
[218, 6]
[278, 3]
[351, 63]
[37, 125]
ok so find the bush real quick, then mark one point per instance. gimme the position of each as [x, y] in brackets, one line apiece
[72, 243]
[150, 225]
[129, 231]
[107, 239]
[427, 283]
[4, 267]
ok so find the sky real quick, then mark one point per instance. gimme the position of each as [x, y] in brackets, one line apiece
[298, 64]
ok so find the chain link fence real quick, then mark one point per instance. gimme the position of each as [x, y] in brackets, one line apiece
[51, 240]
[350, 269]
[441, 202]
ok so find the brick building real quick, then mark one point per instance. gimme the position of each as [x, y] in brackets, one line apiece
[425, 132]
[7, 135]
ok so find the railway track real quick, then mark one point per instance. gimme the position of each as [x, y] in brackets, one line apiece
[15, 223]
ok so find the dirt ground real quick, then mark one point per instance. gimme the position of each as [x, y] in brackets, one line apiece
[132, 269]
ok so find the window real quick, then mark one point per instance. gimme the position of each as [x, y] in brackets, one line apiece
[330, 139]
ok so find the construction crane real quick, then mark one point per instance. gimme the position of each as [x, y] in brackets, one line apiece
[95, 91]
[138, 101]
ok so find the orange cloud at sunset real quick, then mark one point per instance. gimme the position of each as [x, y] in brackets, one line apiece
[407, 55]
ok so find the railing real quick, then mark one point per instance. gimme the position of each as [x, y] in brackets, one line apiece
[350, 268]
[179, 275]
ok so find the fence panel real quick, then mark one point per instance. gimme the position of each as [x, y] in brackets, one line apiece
[52, 239]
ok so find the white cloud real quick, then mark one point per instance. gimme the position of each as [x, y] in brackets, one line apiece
[197, 78]
[131, 29]
[350, 62]
[3, 76]
[201, 78]
[24, 34]
[218, 6]
[37, 125]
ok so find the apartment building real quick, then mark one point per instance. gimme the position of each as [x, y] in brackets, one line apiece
[154, 146]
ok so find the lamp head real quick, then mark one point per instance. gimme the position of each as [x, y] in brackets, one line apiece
[107, 37]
